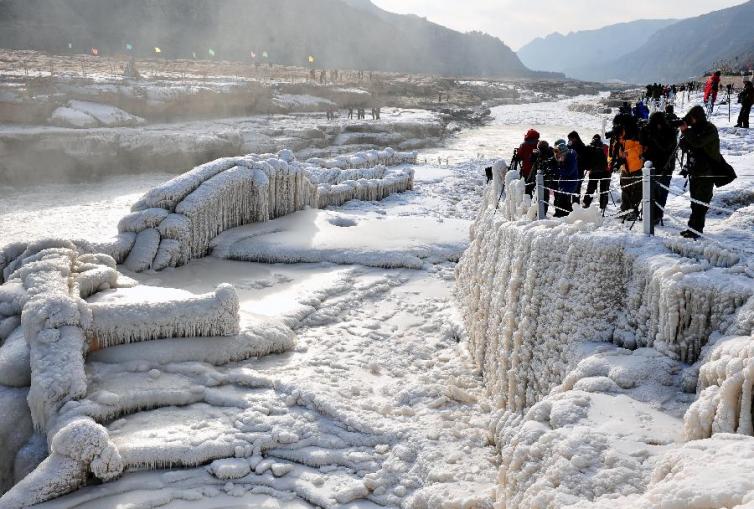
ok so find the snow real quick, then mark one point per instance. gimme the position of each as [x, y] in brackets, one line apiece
[375, 241]
[561, 363]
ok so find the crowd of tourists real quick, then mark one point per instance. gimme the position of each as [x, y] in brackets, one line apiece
[637, 137]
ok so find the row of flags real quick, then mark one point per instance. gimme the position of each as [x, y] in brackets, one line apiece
[210, 52]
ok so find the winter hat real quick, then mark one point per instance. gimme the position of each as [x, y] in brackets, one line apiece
[561, 145]
[531, 134]
[697, 113]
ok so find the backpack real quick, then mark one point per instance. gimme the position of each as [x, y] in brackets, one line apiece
[725, 173]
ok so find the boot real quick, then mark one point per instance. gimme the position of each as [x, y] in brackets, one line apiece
[688, 234]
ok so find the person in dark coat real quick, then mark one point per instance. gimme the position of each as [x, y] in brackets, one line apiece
[659, 142]
[575, 143]
[525, 153]
[543, 159]
[568, 178]
[701, 141]
[746, 98]
[599, 173]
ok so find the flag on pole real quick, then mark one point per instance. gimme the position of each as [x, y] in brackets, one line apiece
[157, 50]
[70, 46]
[129, 46]
[265, 55]
[211, 52]
[253, 55]
[193, 53]
[311, 59]
[95, 51]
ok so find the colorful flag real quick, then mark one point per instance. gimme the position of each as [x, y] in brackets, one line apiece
[211, 52]
[129, 46]
[311, 59]
[157, 50]
[95, 51]
[265, 55]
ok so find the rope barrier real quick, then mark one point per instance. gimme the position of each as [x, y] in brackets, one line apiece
[699, 202]
[700, 234]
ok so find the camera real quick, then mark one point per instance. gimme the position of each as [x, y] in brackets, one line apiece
[676, 123]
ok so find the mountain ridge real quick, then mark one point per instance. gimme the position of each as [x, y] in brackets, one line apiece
[353, 34]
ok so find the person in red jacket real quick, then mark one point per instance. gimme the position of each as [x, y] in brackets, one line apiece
[525, 152]
[710, 90]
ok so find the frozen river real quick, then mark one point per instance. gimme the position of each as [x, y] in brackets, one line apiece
[91, 210]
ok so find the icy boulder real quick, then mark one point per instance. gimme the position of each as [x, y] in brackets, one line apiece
[86, 114]
[176, 221]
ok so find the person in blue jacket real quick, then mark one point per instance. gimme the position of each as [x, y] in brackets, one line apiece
[568, 178]
[641, 110]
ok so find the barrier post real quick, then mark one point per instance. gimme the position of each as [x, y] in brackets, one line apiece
[541, 195]
[648, 205]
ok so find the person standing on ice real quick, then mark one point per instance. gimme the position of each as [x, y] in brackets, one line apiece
[710, 90]
[659, 142]
[701, 141]
[575, 143]
[525, 155]
[568, 178]
[599, 173]
[746, 98]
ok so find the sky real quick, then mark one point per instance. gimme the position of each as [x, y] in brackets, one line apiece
[517, 22]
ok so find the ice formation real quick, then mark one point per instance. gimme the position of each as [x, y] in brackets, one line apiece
[176, 221]
[47, 330]
[537, 294]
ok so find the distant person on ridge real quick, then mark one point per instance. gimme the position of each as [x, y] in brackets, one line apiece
[525, 155]
[599, 173]
[746, 98]
[701, 141]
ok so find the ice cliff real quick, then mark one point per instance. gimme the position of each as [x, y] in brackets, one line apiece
[592, 340]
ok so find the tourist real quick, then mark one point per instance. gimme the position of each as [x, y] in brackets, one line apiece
[659, 142]
[746, 99]
[543, 159]
[710, 91]
[568, 178]
[575, 143]
[525, 154]
[701, 141]
[627, 158]
[599, 173]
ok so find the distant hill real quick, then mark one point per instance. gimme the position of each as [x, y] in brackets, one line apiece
[351, 34]
[690, 47]
[584, 54]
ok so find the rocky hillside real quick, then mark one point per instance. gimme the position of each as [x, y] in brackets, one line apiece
[584, 54]
[340, 34]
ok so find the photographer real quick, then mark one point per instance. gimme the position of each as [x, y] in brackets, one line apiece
[626, 157]
[746, 99]
[543, 158]
[599, 175]
[525, 153]
[568, 178]
[701, 141]
[659, 142]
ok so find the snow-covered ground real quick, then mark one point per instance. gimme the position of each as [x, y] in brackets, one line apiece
[380, 402]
